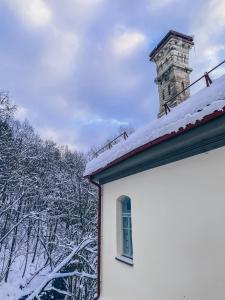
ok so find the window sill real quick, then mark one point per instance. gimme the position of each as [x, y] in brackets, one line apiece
[126, 260]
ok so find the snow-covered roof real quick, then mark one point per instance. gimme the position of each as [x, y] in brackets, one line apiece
[195, 108]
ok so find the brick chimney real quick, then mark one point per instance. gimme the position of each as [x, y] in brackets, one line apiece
[171, 57]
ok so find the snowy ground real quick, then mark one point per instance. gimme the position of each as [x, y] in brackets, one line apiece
[12, 290]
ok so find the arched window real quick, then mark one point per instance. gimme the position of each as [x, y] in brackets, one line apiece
[127, 245]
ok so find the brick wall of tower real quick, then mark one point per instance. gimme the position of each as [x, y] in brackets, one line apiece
[172, 64]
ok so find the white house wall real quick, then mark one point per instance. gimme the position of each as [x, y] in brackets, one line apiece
[178, 219]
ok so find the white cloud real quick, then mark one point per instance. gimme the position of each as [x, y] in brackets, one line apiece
[59, 57]
[126, 42]
[21, 113]
[84, 4]
[212, 52]
[61, 137]
[159, 4]
[33, 13]
[208, 29]
[79, 12]
[49, 134]
[60, 43]
[109, 122]
[215, 15]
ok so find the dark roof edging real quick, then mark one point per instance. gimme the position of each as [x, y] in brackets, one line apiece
[101, 173]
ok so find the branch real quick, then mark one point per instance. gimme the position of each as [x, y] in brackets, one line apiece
[90, 265]
[70, 274]
[55, 273]
[6, 209]
[5, 236]
[60, 291]
[35, 274]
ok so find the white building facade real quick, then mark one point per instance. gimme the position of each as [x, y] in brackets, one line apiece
[178, 231]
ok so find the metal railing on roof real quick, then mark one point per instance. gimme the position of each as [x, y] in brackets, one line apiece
[167, 108]
[208, 83]
[109, 145]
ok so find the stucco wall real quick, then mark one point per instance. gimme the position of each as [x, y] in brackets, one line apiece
[178, 219]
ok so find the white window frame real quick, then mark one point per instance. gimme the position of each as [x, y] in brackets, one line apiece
[124, 218]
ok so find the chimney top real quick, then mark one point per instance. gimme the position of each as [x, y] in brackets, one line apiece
[170, 34]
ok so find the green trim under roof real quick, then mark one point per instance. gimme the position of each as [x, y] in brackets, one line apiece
[206, 137]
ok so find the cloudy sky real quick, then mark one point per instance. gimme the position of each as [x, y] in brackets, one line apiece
[79, 69]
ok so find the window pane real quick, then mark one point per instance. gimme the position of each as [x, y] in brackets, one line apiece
[126, 206]
[131, 245]
[126, 242]
[125, 222]
[129, 223]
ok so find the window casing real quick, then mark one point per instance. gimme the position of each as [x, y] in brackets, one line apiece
[127, 244]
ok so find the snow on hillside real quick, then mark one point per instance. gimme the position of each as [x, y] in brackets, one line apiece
[193, 109]
[15, 288]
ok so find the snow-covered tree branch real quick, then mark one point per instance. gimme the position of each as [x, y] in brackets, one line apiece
[57, 274]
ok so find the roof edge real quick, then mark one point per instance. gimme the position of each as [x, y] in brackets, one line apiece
[160, 140]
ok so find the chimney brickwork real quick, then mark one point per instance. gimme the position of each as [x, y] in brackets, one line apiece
[171, 57]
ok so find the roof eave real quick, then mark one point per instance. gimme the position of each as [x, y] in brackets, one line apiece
[158, 141]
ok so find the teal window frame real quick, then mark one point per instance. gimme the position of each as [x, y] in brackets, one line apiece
[127, 243]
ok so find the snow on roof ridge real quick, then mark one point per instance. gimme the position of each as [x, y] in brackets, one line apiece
[195, 108]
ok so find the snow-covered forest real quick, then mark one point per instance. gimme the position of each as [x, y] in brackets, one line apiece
[48, 215]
